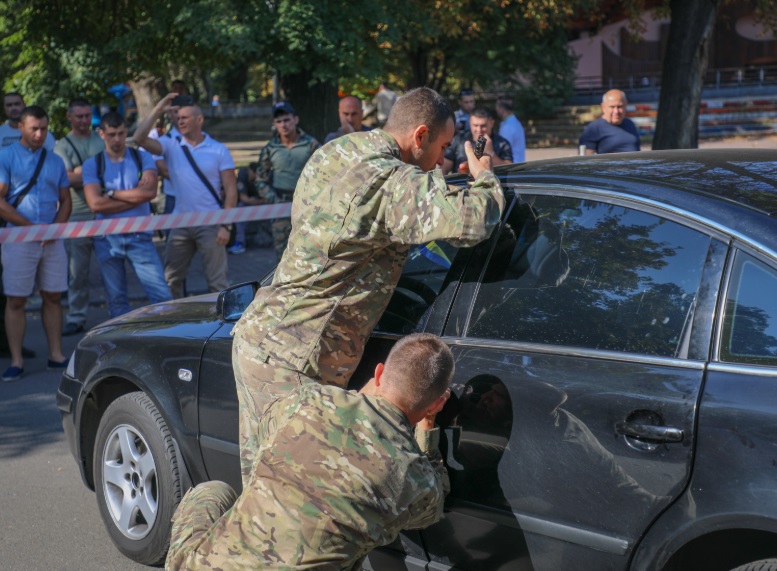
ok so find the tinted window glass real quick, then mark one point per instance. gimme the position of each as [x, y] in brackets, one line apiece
[750, 323]
[423, 278]
[567, 271]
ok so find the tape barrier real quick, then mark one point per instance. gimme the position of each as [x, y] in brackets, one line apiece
[89, 228]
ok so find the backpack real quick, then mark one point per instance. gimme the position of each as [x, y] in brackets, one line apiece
[100, 159]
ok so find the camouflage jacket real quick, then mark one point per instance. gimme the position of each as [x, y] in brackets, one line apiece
[338, 474]
[356, 211]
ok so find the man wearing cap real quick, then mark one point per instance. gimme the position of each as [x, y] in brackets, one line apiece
[280, 164]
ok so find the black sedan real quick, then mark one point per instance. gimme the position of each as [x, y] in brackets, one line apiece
[615, 399]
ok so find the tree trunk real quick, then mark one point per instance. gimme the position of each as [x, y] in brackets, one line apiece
[147, 91]
[315, 103]
[685, 64]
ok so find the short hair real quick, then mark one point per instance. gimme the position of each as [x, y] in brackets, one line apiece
[179, 82]
[112, 119]
[33, 111]
[419, 106]
[418, 370]
[483, 113]
[14, 94]
[505, 102]
[464, 92]
[78, 102]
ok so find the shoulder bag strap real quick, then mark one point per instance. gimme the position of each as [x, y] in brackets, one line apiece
[197, 170]
[72, 144]
[33, 180]
[99, 158]
[138, 161]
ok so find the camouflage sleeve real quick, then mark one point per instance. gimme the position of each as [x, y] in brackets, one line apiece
[423, 208]
[264, 166]
[263, 182]
[428, 508]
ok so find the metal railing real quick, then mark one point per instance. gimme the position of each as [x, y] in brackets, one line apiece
[714, 78]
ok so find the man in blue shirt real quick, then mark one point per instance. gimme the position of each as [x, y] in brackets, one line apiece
[28, 200]
[612, 132]
[511, 128]
[119, 183]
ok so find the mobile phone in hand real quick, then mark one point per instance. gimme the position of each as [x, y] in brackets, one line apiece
[480, 146]
[182, 101]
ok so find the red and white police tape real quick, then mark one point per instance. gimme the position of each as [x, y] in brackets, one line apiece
[89, 228]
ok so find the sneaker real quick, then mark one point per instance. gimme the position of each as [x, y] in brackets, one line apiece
[13, 374]
[237, 248]
[57, 365]
[73, 328]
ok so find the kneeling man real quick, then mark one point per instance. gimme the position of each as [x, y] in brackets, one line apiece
[337, 473]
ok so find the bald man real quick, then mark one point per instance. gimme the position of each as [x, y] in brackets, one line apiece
[613, 132]
[351, 115]
[196, 193]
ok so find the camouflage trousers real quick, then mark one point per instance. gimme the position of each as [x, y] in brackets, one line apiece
[258, 384]
[281, 229]
[199, 509]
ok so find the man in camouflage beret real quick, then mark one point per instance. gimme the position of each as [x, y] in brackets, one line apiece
[359, 206]
[337, 474]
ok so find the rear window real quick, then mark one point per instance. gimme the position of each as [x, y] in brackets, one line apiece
[750, 321]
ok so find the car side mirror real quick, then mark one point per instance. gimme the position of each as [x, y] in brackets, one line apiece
[233, 301]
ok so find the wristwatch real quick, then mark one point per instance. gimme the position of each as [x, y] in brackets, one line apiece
[110, 193]
[227, 227]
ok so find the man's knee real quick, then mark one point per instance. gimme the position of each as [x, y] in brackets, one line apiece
[51, 296]
[213, 499]
[15, 303]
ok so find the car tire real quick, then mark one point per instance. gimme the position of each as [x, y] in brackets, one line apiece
[137, 481]
[763, 565]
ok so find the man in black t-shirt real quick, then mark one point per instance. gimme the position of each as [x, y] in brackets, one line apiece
[481, 123]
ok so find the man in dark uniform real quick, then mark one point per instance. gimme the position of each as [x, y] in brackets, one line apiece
[481, 124]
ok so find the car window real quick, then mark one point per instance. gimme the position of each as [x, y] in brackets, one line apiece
[423, 277]
[568, 271]
[750, 321]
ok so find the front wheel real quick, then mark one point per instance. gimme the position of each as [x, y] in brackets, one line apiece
[763, 565]
[137, 481]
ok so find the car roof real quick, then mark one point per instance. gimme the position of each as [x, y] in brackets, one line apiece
[733, 190]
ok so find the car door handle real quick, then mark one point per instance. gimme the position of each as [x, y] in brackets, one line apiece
[649, 432]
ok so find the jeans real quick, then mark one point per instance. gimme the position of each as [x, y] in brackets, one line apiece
[112, 251]
[79, 253]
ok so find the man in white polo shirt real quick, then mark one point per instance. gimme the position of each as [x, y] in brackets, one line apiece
[217, 168]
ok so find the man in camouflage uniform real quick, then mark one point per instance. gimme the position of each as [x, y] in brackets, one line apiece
[280, 163]
[359, 206]
[338, 473]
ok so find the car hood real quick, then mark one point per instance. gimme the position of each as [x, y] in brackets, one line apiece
[189, 309]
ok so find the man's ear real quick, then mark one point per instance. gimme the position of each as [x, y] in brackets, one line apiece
[420, 135]
[379, 374]
[437, 405]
